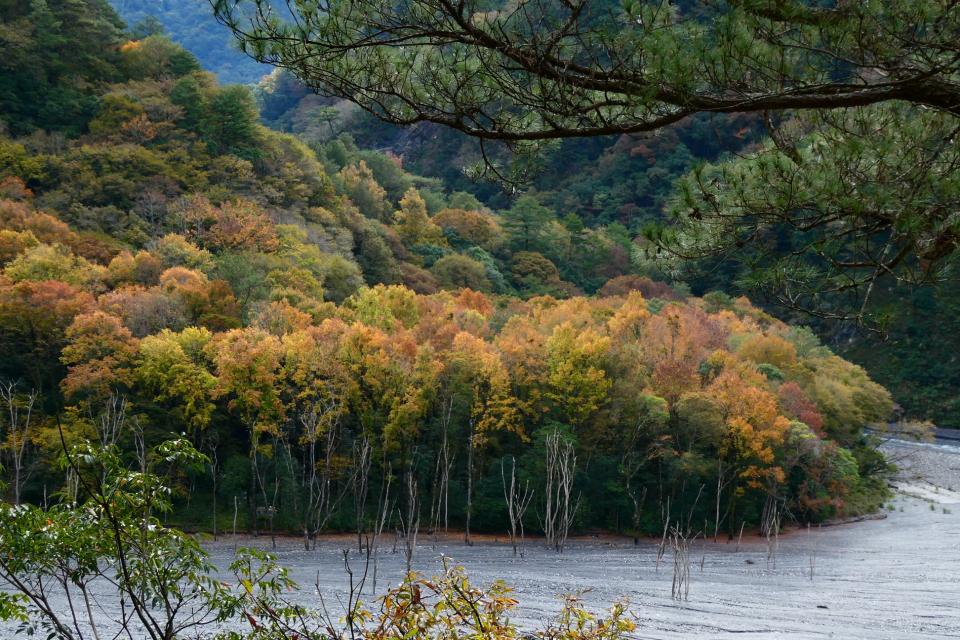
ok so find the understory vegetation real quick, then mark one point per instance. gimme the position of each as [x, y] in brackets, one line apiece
[162, 585]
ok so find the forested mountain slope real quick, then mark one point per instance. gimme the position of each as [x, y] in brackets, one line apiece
[585, 183]
[190, 24]
[321, 325]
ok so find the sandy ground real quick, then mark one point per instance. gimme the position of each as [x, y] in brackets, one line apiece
[891, 578]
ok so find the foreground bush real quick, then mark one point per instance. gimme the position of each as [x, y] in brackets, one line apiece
[102, 549]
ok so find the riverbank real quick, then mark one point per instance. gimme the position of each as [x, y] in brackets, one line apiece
[896, 578]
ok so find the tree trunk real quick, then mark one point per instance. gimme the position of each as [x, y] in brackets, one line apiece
[466, 535]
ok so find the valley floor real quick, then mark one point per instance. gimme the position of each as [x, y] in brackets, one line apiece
[892, 578]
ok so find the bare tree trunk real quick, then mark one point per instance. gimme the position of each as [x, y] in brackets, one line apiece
[517, 503]
[637, 501]
[410, 525]
[630, 466]
[272, 509]
[351, 607]
[568, 466]
[470, 446]
[361, 480]
[19, 415]
[235, 509]
[319, 420]
[439, 511]
[213, 473]
[309, 421]
[383, 514]
[327, 503]
[666, 529]
[549, 511]
[253, 484]
[680, 542]
[560, 507]
[770, 527]
[716, 521]
[111, 420]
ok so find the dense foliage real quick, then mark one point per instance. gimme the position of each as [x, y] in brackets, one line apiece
[550, 69]
[630, 179]
[190, 24]
[633, 179]
[53, 54]
[861, 195]
[288, 391]
[324, 325]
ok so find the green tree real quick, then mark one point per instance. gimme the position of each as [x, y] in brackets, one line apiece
[247, 364]
[413, 223]
[456, 270]
[146, 27]
[172, 369]
[814, 219]
[157, 57]
[108, 529]
[525, 222]
[57, 55]
[364, 190]
[634, 67]
[231, 123]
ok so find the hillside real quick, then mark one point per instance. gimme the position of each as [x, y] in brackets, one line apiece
[190, 23]
[630, 181]
[627, 180]
[321, 324]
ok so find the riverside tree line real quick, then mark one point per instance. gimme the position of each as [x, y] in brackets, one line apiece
[616, 412]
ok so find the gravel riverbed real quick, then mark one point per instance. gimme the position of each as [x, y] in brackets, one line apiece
[897, 577]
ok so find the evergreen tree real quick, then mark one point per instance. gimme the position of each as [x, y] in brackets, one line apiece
[524, 222]
[231, 123]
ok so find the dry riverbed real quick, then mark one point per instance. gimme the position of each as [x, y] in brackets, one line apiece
[891, 578]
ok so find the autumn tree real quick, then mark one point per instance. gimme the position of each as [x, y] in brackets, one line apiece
[319, 388]
[753, 430]
[869, 93]
[174, 370]
[457, 271]
[247, 366]
[470, 226]
[797, 405]
[476, 381]
[99, 354]
[576, 382]
[413, 223]
[34, 317]
[236, 225]
[19, 412]
[364, 190]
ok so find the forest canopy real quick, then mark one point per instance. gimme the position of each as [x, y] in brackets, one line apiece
[323, 323]
[840, 87]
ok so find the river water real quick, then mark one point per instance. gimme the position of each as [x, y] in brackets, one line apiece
[892, 578]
